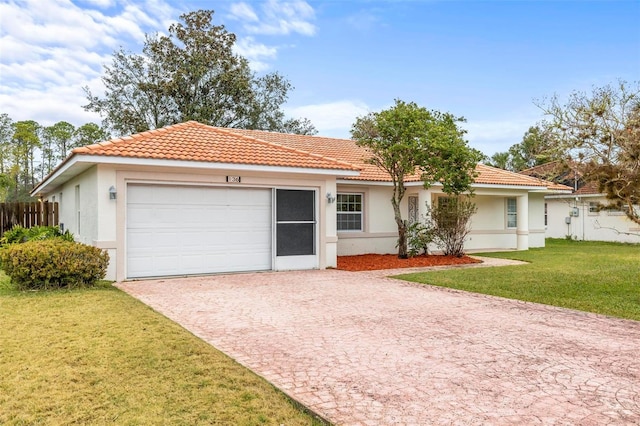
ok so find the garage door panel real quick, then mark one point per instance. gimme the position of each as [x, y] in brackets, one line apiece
[259, 198]
[246, 217]
[192, 230]
[152, 238]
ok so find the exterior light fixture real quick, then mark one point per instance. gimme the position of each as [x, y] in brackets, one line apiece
[330, 198]
[112, 193]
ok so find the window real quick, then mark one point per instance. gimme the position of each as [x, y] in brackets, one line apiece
[545, 214]
[448, 203]
[413, 209]
[512, 213]
[594, 208]
[349, 208]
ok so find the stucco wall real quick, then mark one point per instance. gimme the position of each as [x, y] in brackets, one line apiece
[536, 220]
[379, 234]
[86, 230]
[113, 217]
[588, 226]
[489, 226]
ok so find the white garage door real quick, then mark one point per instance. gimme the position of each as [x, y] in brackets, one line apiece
[182, 230]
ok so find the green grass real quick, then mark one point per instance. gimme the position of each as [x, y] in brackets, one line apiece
[590, 276]
[98, 356]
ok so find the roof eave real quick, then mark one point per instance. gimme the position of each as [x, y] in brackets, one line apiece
[81, 162]
[529, 188]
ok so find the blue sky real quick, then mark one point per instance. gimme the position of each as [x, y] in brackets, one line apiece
[484, 60]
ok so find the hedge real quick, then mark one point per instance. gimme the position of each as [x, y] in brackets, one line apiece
[53, 263]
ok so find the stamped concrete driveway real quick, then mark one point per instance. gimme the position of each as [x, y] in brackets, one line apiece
[361, 349]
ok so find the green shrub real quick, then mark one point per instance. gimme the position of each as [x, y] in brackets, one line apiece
[53, 263]
[19, 234]
[419, 236]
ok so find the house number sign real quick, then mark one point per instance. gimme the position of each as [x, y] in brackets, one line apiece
[233, 179]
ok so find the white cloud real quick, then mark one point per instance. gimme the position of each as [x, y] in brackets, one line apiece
[256, 53]
[101, 3]
[243, 12]
[333, 118]
[52, 49]
[364, 21]
[497, 135]
[276, 17]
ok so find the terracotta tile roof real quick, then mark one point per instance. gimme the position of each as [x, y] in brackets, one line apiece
[492, 175]
[343, 149]
[347, 150]
[589, 188]
[193, 141]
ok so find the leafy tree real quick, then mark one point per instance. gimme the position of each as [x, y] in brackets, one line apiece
[25, 142]
[500, 160]
[600, 131]
[407, 139]
[7, 129]
[191, 74]
[22, 142]
[56, 142]
[62, 134]
[299, 126]
[88, 134]
[532, 151]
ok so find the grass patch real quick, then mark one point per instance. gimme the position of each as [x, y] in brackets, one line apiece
[589, 276]
[98, 356]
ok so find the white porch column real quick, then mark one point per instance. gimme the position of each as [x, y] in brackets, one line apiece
[328, 219]
[522, 230]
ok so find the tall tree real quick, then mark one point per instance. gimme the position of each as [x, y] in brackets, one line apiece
[191, 74]
[500, 160]
[600, 131]
[56, 142]
[7, 129]
[25, 142]
[532, 151]
[62, 135]
[87, 134]
[407, 139]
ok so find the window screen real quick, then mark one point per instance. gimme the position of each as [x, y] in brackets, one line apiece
[295, 205]
[296, 224]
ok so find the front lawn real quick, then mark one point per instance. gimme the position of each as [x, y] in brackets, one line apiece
[589, 276]
[98, 356]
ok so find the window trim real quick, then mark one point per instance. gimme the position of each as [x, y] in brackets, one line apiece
[361, 212]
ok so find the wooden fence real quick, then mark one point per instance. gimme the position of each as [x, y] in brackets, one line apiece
[39, 213]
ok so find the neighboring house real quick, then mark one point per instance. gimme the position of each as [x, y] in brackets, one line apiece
[195, 199]
[580, 214]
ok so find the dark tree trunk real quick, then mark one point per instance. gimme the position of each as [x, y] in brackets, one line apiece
[402, 238]
[398, 194]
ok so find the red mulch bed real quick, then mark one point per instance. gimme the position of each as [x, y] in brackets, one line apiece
[372, 262]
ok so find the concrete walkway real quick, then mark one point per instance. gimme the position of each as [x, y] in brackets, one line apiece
[361, 349]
